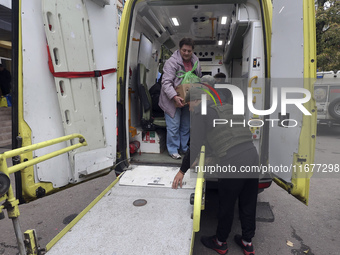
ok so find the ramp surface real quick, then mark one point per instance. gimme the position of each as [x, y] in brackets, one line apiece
[115, 226]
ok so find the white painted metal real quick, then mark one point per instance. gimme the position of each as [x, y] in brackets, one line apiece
[253, 50]
[213, 52]
[41, 110]
[104, 29]
[115, 226]
[93, 161]
[287, 40]
[102, 3]
[284, 142]
[286, 61]
[68, 33]
[6, 3]
[186, 13]
[156, 176]
[145, 51]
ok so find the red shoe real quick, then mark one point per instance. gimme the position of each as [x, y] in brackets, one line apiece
[211, 242]
[247, 249]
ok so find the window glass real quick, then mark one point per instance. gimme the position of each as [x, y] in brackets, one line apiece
[334, 92]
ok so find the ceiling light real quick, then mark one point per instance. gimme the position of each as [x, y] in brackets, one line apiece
[220, 42]
[224, 20]
[175, 21]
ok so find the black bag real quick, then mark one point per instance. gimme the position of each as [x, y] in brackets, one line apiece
[155, 91]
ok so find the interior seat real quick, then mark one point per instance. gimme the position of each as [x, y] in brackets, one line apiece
[148, 121]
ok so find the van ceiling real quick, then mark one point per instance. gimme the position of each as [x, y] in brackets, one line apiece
[200, 22]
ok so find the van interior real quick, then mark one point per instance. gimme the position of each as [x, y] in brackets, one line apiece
[228, 38]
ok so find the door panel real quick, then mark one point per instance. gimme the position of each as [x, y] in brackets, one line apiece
[82, 37]
[293, 66]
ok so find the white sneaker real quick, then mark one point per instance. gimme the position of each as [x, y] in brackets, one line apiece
[175, 156]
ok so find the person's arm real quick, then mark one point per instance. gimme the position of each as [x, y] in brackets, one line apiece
[168, 86]
[178, 180]
[197, 135]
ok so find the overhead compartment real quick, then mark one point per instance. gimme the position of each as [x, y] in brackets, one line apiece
[238, 27]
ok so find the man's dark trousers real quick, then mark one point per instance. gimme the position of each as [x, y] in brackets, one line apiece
[244, 188]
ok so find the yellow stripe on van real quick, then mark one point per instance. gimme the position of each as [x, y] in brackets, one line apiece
[123, 42]
[268, 16]
[27, 175]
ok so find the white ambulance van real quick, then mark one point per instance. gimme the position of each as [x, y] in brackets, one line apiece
[77, 111]
[327, 97]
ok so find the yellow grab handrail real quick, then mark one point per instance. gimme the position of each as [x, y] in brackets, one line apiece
[29, 148]
[9, 154]
[11, 202]
[249, 85]
[199, 192]
[251, 80]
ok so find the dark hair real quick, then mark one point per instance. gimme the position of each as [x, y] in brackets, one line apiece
[187, 41]
[1, 65]
[220, 75]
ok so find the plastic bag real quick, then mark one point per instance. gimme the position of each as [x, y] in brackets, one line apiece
[189, 77]
[3, 101]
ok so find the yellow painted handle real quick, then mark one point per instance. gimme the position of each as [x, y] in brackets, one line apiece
[29, 148]
[251, 80]
[199, 193]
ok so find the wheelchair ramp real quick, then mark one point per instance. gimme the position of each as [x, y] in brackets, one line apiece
[116, 226]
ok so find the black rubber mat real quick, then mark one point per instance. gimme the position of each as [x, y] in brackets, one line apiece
[264, 213]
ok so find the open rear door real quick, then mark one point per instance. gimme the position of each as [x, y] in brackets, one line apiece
[293, 65]
[66, 84]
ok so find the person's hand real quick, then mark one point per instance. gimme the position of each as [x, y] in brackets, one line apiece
[178, 101]
[178, 180]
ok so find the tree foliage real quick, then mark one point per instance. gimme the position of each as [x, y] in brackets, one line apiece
[328, 35]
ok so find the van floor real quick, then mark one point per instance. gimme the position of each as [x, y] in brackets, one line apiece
[155, 159]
